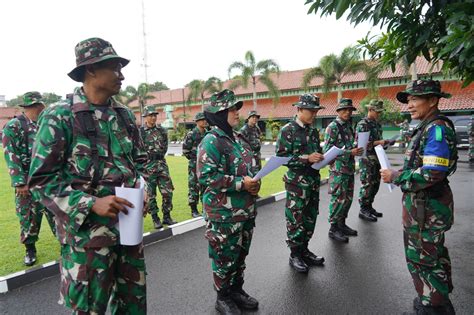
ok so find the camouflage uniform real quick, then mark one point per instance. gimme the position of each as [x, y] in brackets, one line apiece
[190, 145]
[18, 156]
[428, 201]
[156, 145]
[253, 135]
[404, 133]
[94, 266]
[222, 164]
[470, 130]
[341, 170]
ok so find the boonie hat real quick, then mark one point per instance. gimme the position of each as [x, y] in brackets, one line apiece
[199, 116]
[376, 105]
[421, 87]
[345, 103]
[149, 110]
[308, 101]
[32, 98]
[222, 100]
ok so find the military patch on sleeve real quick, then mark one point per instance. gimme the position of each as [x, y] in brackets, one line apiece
[436, 152]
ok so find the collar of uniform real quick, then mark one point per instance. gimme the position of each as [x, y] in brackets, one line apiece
[221, 132]
[148, 128]
[81, 103]
[299, 122]
[339, 120]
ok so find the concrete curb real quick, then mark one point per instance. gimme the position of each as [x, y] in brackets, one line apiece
[25, 277]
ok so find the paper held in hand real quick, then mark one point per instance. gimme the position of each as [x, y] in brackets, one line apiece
[332, 153]
[273, 163]
[131, 225]
[362, 141]
[384, 162]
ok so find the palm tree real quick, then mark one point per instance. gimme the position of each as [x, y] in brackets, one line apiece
[131, 94]
[250, 69]
[199, 87]
[334, 68]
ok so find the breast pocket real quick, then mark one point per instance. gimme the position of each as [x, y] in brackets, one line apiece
[82, 157]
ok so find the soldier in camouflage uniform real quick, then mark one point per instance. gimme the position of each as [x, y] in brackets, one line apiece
[84, 150]
[299, 139]
[339, 133]
[369, 164]
[155, 138]
[225, 167]
[18, 137]
[190, 145]
[404, 133]
[427, 198]
[470, 130]
[252, 133]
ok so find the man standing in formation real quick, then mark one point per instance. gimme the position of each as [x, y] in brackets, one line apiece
[299, 139]
[339, 133]
[18, 138]
[155, 138]
[190, 145]
[369, 164]
[427, 201]
[252, 133]
[404, 133]
[84, 150]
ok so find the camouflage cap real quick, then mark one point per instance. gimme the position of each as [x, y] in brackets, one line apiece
[253, 113]
[90, 51]
[149, 110]
[199, 116]
[345, 103]
[421, 87]
[308, 101]
[222, 100]
[32, 98]
[376, 105]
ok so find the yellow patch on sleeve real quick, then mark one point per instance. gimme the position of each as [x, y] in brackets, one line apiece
[435, 160]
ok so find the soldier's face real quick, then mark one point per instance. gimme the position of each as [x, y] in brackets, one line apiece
[307, 116]
[202, 123]
[253, 120]
[420, 107]
[150, 120]
[108, 76]
[233, 117]
[345, 114]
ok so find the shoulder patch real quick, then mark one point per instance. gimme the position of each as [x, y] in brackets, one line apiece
[436, 152]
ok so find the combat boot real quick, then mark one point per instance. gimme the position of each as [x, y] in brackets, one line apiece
[311, 259]
[242, 299]
[30, 256]
[447, 309]
[375, 212]
[345, 229]
[365, 214]
[156, 221]
[225, 305]
[167, 219]
[194, 211]
[336, 234]
[296, 261]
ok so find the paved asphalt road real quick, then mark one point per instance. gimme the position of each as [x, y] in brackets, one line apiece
[366, 276]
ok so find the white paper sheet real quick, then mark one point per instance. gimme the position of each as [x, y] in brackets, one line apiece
[384, 163]
[332, 153]
[362, 141]
[131, 225]
[273, 163]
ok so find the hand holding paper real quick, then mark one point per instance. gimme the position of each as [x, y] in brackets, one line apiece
[131, 225]
[362, 141]
[328, 157]
[384, 162]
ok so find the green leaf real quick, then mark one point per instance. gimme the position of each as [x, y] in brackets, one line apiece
[342, 7]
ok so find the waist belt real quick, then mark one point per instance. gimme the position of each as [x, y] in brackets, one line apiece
[307, 171]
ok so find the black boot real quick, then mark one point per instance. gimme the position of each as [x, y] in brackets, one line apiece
[194, 211]
[167, 220]
[242, 299]
[375, 213]
[345, 229]
[225, 305]
[296, 261]
[336, 234]
[366, 215]
[447, 309]
[156, 221]
[30, 256]
[311, 259]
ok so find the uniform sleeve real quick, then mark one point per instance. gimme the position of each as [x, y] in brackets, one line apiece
[46, 177]
[163, 145]
[284, 147]
[188, 146]
[12, 133]
[209, 170]
[435, 164]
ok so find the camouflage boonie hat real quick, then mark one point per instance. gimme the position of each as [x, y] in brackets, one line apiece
[90, 51]
[308, 101]
[345, 103]
[32, 98]
[149, 110]
[221, 101]
[422, 87]
[253, 113]
[199, 116]
[376, 105]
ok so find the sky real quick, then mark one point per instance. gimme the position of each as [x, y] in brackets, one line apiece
[185, 40]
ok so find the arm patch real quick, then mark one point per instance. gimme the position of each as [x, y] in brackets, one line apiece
[436, 152]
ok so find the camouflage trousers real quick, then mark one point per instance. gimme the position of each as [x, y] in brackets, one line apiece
[341, 189]
[258, 160]
[229, 245]
[30, 214]
[301, 211]
[91, 277]
[160, 177]
[194, 189]
[369, 181]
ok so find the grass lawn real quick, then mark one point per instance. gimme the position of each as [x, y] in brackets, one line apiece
[12, 252]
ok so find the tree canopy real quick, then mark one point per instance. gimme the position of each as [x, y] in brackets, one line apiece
[197, 88]
[439, 30]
